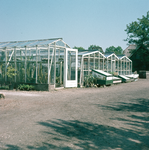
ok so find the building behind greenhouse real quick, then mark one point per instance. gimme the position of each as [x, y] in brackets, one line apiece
[51, 63]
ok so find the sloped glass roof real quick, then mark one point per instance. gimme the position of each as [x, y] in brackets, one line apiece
[110, 54]
[122, 57]
[88, 52]
[32, 43]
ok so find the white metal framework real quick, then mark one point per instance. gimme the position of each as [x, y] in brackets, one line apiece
[112, 63]
[34, 61]
[51, 61]
[125, 65]
[108, 62]
[88, 60]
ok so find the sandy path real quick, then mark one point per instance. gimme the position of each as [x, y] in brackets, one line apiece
[115, 117]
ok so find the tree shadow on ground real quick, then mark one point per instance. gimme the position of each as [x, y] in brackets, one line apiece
[11, 147]
[95, 136]
[135, 105]
[75, 134]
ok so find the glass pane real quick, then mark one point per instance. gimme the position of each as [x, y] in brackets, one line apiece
[59, 67]
[85, 63]
[71, 65]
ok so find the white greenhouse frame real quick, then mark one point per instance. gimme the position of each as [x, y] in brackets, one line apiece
[46, 61]
[88, 60]
[125, 65]
[108, 62]
[34, 61]
[111, 63]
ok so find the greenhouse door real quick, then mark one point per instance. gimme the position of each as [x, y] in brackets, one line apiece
[71, 62]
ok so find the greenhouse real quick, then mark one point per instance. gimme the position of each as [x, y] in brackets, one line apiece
[111, 63]
[102, 64]
[37, 62]
[125, 65]
[51, 63]
[88, 60]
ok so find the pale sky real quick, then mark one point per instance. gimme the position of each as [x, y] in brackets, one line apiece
[78, 22]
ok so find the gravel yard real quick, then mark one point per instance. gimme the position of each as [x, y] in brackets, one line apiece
[110, 118]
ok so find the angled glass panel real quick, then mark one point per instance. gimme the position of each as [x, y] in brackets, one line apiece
[34, 43]
[25, 43]
[3, 43]
[12, 44]
[60, 43]
[6, 44]
[46, 42]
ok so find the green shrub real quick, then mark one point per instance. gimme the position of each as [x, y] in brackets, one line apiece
[4, 87]
[89, 81]
[25, 87]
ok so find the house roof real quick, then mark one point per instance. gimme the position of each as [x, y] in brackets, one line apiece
[127, 51]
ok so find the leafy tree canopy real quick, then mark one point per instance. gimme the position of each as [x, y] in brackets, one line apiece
[95, 47]
[138, 34]
[117, 50]
[79, 48]
[138, 31]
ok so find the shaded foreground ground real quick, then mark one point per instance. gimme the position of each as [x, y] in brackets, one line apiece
[115, 117]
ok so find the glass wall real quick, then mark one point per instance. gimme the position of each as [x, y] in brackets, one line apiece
[90, 60]
[125, 66]
[36, 61]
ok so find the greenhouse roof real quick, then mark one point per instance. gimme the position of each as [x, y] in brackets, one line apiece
[88, 52]
[123, 56]
[33, 43]
[110, 54]
[120, 56]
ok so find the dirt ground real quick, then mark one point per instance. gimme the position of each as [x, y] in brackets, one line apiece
[110, 118]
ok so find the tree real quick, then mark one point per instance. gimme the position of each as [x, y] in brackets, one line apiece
[95, 47]
[138, 34]
[117, 50]
[79, 48]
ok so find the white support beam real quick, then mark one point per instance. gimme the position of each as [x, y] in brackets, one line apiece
[54, 64]
[10, 58]
[15, 62]
[103, 63]
[25, 62]
[48, 64]
[99, 62]
[6, 64]
[107, 64]
[36, 63]
[81, 72]
[111, 65]
[94, 60]
[88, 65]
